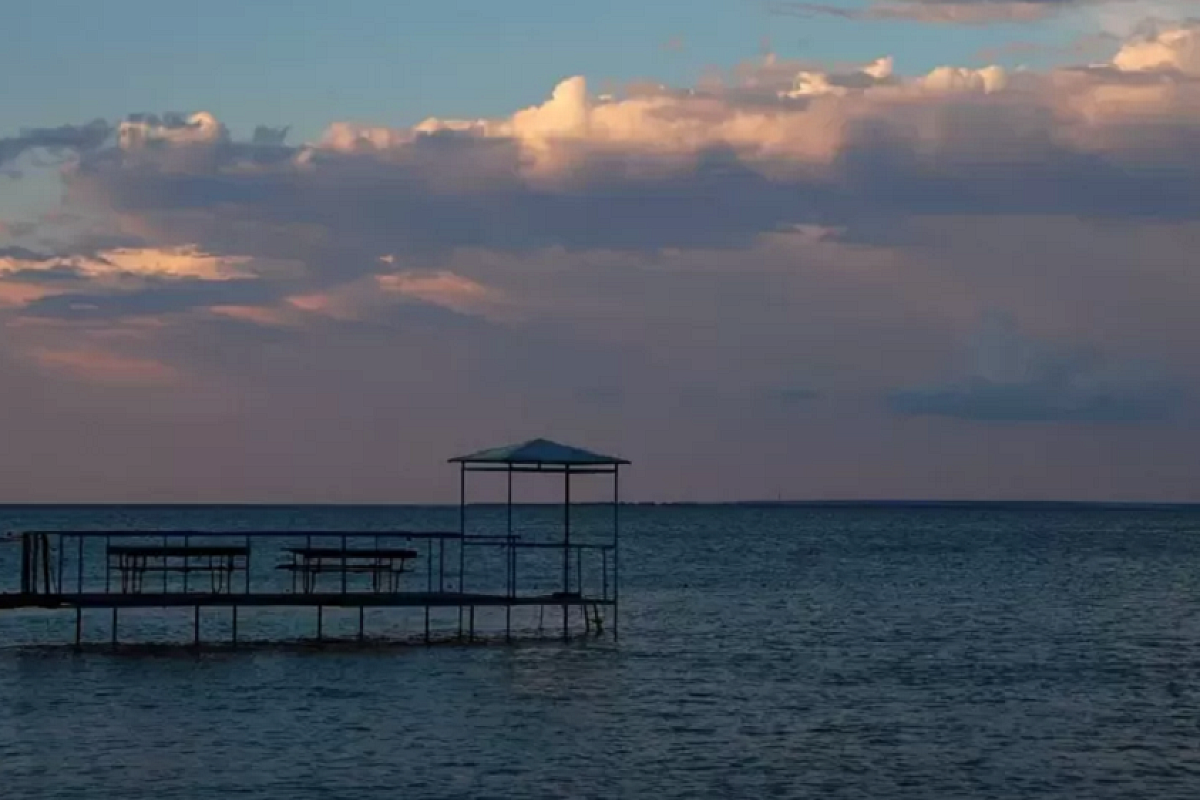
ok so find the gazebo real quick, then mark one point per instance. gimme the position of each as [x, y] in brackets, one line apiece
[545, 457]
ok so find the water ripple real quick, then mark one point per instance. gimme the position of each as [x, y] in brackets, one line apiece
[848, 653]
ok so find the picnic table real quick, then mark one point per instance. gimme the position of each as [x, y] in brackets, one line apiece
[134, 561]
[384, 565]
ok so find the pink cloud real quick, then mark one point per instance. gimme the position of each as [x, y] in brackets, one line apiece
[259, 315]
[105, 367]
[14, 294]
[443, 288]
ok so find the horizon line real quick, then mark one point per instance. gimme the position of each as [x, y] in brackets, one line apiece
[747, 502]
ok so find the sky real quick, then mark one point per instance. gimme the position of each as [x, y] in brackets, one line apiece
[859, 249]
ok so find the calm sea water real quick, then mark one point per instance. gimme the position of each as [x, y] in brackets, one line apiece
[981, 652]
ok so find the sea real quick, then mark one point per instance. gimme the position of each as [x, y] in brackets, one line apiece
[919, 651]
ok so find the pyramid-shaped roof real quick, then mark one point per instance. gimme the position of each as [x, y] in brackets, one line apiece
[538, 451]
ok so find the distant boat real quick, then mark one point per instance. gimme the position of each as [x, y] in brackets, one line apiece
[9, 537]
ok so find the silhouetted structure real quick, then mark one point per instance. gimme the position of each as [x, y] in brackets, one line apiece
[544, 457]
[113, 570]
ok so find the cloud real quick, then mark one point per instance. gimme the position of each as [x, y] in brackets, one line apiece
[129, 282]
[154, 298]
[106, 367]
[147, 131]
[788, 146]
[781, 248]
[443, 289]
[1054, 399]
[10, 257]
[953, 12]
[373, 297]
[257, 315]
[1090, 47]
[1018, 379]
[1164, 49]
[80, 139]
[368, 217]
[186, 261]
[984, 12]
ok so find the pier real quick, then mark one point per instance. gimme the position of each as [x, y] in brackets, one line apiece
[571, 575]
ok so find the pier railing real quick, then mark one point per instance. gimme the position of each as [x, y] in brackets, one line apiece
[68, 563]
[129, 569]
[534, 566]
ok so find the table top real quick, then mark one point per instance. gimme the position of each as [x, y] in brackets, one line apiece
[151, 551]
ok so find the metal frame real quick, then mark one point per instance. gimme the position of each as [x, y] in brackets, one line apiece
[47, 559]
[513, 544]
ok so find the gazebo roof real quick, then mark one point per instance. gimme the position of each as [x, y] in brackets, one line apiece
[539, 451]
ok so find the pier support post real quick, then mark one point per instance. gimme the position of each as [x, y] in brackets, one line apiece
[426, 624]
[234, 631]
[114, 627]
[196, 626]
[320, 623]
[26, 587]
[471, 632]
[78, 626]
[361, 624]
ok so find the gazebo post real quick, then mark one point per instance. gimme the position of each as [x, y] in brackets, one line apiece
[510, 568]
[566, 565]
[462, 541]
[616, 503]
